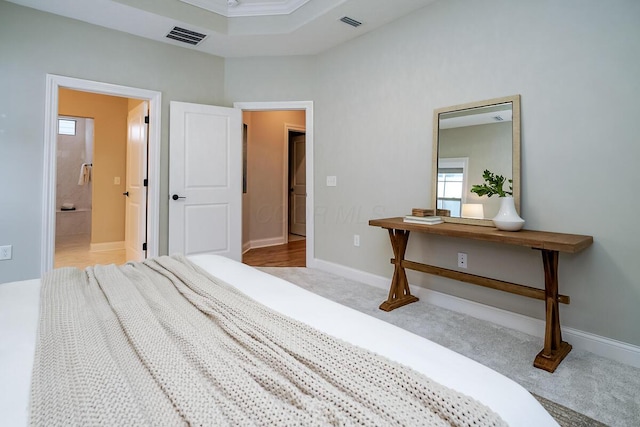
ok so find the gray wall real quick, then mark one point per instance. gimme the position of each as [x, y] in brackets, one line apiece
[576, 65]
[33, 44]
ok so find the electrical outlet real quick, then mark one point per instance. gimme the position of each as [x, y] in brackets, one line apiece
[462, 260]
[332, 181]
[5, 252]
[356, 240]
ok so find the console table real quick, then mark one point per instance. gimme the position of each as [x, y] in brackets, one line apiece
[549, 244]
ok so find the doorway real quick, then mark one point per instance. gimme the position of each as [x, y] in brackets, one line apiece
[100, 215]
[290, 248]
[281, 239]
[54, 85]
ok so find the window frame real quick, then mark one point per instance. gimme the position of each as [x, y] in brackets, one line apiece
[453, 163]
[68, 120]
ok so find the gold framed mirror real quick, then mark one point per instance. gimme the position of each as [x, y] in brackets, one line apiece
[467, 140]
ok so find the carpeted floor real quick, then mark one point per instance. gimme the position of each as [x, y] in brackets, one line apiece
[584, 388]
[565, 416]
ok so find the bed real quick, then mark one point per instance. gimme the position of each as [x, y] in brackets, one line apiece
[19, 323]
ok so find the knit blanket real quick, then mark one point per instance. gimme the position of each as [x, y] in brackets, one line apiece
[164, 343]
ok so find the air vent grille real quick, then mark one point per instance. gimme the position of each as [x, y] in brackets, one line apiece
[186, 36]
[350, 21]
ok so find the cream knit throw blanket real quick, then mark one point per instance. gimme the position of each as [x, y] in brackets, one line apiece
[163, 343]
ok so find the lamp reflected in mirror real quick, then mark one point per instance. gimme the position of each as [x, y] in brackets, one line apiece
[473, 210]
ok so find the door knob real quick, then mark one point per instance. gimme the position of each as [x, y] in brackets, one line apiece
[126, 193]
[176, 197]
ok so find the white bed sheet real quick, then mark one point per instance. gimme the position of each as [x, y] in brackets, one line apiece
[19, 307]
[19, 317]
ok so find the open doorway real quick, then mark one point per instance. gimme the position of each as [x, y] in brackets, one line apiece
[55, 84]
[100, 165]
[275, 204]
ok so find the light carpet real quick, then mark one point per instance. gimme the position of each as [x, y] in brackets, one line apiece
[599, 388]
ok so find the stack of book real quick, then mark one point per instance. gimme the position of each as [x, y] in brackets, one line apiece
[423, 212]
[428, 220]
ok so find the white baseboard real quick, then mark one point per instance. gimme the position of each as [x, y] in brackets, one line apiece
[245, 247]
[601, 346]
[106, 246]
[263, 243]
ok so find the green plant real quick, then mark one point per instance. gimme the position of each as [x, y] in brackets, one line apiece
[493, 185]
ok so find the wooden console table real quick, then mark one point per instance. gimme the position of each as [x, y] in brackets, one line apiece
[550, 244]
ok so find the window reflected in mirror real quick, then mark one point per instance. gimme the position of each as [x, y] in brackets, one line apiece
[452, 184]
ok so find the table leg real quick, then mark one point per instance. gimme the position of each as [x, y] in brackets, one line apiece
[554, 348]
[399, 293]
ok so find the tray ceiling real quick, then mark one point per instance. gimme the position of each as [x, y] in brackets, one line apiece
[235, 8]
[238, 28]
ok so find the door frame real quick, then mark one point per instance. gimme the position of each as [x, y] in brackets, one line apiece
[53, 84]
[307, 106]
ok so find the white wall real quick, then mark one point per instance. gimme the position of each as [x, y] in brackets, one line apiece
[576, 64]
[269, 79]
[33, 44]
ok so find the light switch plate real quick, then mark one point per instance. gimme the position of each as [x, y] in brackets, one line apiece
[332, 181]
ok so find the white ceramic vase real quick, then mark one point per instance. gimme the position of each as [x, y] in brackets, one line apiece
[508, 218]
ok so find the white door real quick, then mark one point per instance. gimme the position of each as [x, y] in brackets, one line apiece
[136, 192]
[298, 186]
[205, 180]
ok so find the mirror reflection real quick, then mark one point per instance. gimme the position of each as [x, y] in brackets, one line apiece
[470, 139]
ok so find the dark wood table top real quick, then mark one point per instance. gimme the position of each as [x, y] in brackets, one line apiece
[561, 242]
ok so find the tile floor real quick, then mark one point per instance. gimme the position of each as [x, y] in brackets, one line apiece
[73, 251]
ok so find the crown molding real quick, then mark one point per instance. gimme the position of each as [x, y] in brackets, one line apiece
[240, 8]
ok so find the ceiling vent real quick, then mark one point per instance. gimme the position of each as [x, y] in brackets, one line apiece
[350, 21]
[186, 36]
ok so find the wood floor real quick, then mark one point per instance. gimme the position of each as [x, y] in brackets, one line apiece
[292, 254]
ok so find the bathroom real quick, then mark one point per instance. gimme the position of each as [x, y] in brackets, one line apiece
[73, 173]
[91, 178]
